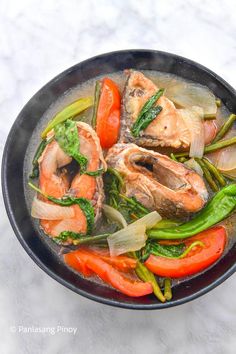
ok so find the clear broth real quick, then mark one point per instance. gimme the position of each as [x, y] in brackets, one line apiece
[87, 89]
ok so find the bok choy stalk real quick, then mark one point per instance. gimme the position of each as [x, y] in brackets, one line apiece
[68, 112]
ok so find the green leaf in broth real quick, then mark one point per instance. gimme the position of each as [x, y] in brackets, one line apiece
[66, 134]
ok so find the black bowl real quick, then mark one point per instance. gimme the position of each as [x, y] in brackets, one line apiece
[12, 173]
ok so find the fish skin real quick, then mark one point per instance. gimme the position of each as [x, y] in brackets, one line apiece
[168, 129]
[171, 188]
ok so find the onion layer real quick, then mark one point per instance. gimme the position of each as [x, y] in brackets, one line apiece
[46, 211]
[225, 159]
[194, 120]
[186, 95]
[194, 166]
[114, 215]
[132, 237]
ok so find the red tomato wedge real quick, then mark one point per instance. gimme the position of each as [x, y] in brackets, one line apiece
[122, 263]
[196, 260]
[109, 274]
[108, 114]
[75, 262]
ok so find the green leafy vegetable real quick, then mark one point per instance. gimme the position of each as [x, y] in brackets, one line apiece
[130, 208]
[97, 94]
[219, 207]
[94, 173]
[170, 251]
[65, 236]
[173, 251]
[147, 114]
[83, 203]
[68, 112]
[66, 134]
[147, 118]
[39, 151]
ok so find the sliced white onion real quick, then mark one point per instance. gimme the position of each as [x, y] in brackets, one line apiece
[225, 159]
[131, 238]
[187, 95]
[114, 215]
[46, 211]
[194, 120]
[192, 163]
[149, 220]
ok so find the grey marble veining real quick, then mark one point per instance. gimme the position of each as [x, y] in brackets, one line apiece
[39, 39]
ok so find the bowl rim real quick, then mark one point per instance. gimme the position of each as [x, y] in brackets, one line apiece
[27, 248]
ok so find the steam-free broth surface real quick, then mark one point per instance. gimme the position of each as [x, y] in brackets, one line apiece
[87, 89]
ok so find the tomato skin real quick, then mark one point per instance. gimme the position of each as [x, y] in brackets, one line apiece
[111, 275]
[108, 114]
[74, 262]
[197, 260]
[122, 263]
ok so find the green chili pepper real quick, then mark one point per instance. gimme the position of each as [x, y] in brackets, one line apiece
[221, 205]
[166, 224]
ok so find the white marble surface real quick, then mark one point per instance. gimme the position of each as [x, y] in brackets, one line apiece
[39, 39]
